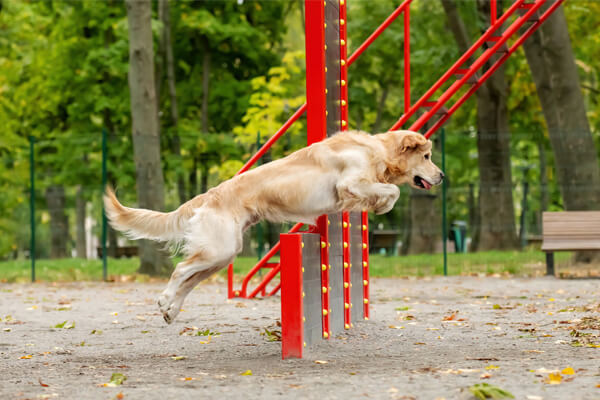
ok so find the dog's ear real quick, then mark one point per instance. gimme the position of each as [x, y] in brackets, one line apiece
[412, 141]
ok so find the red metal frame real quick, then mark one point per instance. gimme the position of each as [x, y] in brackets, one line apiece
[466, 75]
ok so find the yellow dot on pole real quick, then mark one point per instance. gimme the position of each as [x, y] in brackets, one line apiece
[366, 318]
[303, 294]
[350, 285]
[302, 244]
[329, 266]
[326, 91]
[304, 344]
[366, 301]
[343, 42]
[343, 62]
[346, 326]
[343, 102]
[303, 319]
[365, 282]
[302, 269]
[345, 245]
[324, 289]
[345, 265]
[351, 305]
[325, 312]
[329, 287]
[237, 293]
[325, 25]
[328, 221]
[345, 224]
[325, 335]
[346, 306]
[325, 47]
[364, 227]
[323, 267]
[323, 244]
[346, 285]
[342, 2]
[329, 244]
[344, 123]
[365, 264]
[325, 69]
[364, 245]
[330, 311]
[343, 82]
[326, 113]
[342, 22]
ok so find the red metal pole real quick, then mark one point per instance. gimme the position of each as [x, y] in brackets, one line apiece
[365, 266]
[456, 66]
[493, 7]
[378, 31]
[407, 59]
[292, 329]
[316, 122]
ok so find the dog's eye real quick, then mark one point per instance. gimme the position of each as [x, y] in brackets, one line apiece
[427, 156]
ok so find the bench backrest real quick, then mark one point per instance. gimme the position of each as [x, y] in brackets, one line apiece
[571, 230]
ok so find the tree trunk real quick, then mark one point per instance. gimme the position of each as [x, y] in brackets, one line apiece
[425, 222]
[59, 222]
[205, 83]
[496, 222]
[80, 241]
[146, 141]
[167, 46]
[193, 178]
[552, 63]
[380, 108]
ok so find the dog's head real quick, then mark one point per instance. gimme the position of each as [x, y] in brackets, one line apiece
[409, 160]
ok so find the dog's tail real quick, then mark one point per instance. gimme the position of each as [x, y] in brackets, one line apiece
[138, 223]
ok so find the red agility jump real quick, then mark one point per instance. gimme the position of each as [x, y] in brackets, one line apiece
[324, 272]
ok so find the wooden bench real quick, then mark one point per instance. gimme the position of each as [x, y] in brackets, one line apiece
[124, 251]
[383, 239]
[569, 231]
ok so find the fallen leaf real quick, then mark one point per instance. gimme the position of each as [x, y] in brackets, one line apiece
[321, 362]
[450, 317]
[554, 379]
[178, 358]
[120, 396]
[485, 391]
[485, 375]
[6, 329]
[27, 357]
[96, 332]
[65, 325]
[247, 372]
[116, 379]
[42, 383]
[395, 327]
[568, 371]
[492, 367]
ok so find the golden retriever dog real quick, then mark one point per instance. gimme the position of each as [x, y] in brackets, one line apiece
[350, 171]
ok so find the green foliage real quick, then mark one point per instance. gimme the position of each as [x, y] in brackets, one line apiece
[485, 391]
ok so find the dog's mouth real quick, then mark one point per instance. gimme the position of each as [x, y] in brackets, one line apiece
[422, 183]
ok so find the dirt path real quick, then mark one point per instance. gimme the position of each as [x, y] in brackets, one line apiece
[508, 332]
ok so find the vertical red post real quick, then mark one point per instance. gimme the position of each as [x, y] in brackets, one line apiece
[406, 59]
[347, 266]
[316, 123]
[493, 11]
[316, 120]
[365, 266]
[292, 330]
[230, 282]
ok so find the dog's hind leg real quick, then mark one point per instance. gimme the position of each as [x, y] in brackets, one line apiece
[212, 249]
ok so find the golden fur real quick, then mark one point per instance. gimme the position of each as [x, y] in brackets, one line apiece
[350, 171]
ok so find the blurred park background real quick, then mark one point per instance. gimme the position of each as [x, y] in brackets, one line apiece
[228, 74]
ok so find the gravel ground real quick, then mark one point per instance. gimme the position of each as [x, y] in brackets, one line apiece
[427, 339]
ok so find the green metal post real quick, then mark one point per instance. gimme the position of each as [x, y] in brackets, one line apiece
[104, 266]
[444, 193]
[32, 204]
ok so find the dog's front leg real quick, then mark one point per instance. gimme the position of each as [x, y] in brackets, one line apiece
[359, 194]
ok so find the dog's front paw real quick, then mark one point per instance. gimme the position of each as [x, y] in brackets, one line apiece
[168, 309]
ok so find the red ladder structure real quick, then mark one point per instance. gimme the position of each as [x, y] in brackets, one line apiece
[307, 315]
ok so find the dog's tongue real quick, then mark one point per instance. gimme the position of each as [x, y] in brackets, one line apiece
[426, 184]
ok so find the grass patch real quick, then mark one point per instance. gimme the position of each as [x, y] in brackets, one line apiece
[513, 262]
